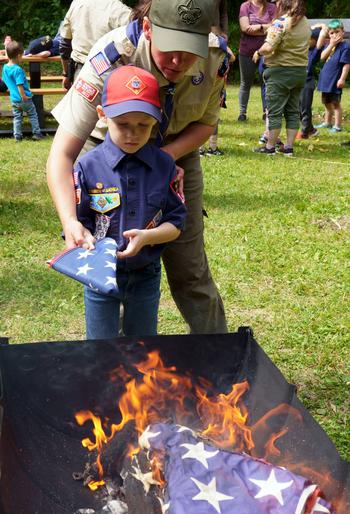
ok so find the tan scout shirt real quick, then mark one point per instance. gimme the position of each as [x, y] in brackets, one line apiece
[196, 99]
[290, 44]
[88, 20]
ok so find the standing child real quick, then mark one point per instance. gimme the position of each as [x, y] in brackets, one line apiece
[21, 97]
[333, 75]
[316, 45]
[125, 190]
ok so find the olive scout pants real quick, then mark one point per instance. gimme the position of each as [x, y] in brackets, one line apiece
[283, 88]
[185, 261]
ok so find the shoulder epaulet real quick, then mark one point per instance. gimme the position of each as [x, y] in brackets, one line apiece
[111, 53]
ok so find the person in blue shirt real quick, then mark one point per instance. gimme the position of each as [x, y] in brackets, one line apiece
[20, 95]
[125, 189]
[333, 75]
[317, 39]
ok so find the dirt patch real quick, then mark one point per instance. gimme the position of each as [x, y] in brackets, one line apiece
[338, 224]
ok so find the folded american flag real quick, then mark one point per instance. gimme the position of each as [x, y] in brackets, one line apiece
[202, 479]
[94, 268]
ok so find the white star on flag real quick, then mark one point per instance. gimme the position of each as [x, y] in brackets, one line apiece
[82, 270]
[111, 280]
[271, 487]
[110, 251]
[145, 478]
[185, 429]
[146, 436]
[320, 508]
[198, 452]
[84, 255]
[112, 265]
[209, 494]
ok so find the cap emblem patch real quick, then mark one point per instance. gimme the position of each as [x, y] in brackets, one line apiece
[189, 13]
[136, 85]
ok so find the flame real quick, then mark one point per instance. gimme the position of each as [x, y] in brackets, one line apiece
[159, 393]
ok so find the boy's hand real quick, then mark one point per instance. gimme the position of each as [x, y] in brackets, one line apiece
[341, 83]
[137, 240]
[334, 39]
[77, 235]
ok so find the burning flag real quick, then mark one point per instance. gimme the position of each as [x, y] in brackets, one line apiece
[202, 479]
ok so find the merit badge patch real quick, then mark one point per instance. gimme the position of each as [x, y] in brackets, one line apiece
[136, 85]
[86, 90]
[197, 79]
[100, 63]
[104, 202]
[155, 222]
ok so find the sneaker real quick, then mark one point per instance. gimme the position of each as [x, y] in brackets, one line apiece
[301, 135]
[18, 139]
[265, 151]
[37, 137]
[263, 140]
[323, 126]
[210, 152]
[202, 152]
[288, 152]
[313, 132]
[335, 130]
[279, 146]
[242, 117]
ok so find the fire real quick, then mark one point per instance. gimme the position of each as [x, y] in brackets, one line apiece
[159, 393]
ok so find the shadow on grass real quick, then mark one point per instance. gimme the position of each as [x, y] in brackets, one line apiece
[252, 202]
[25, 215]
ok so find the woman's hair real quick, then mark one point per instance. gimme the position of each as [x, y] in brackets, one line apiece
[141, 10]
[262, 8]
[294, 8]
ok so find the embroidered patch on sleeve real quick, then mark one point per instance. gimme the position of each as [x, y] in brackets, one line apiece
[86, 90]
[100, 63]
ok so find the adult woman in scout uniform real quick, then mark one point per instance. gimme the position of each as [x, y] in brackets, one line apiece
[168, 43]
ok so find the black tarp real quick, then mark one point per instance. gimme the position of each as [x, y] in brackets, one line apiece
[44, 384]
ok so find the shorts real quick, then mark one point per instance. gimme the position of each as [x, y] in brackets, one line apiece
[331, 98]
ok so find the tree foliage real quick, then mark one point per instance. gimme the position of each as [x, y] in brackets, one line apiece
[28, 19]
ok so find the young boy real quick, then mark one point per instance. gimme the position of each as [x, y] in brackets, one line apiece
[125, 190]
[20, 95]
[333, 75]
[317, 39]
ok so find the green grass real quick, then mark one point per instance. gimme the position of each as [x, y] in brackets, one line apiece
[277, 241]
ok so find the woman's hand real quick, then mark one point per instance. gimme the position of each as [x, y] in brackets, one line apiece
[77, 235]
[256, 57]
[253, 29]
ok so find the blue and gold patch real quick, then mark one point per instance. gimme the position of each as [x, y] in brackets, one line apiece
[104, 202]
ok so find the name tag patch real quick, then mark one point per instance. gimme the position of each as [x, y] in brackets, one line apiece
[86, 90]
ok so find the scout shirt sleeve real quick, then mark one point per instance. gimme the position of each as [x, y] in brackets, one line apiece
[175, 211]
[76, 112]
[276, 32]
[120, 15]
[65, 29]
[212, 111]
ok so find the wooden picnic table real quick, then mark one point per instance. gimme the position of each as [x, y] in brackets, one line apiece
[35, 63]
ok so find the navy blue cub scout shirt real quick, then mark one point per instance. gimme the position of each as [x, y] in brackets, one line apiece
[116, 191]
